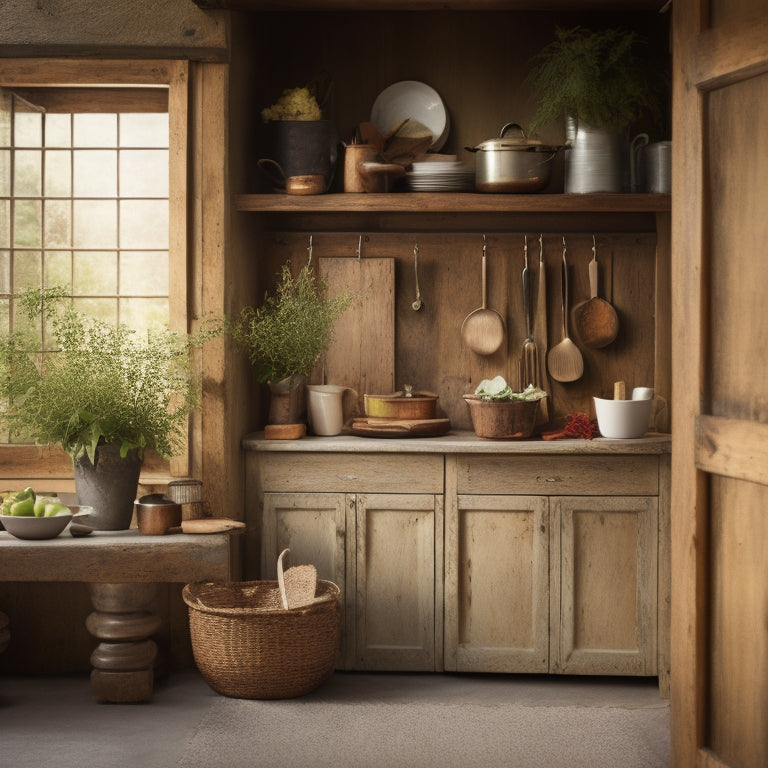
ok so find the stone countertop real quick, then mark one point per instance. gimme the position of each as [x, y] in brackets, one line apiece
[459, 441]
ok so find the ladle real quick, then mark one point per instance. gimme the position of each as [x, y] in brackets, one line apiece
[596, 320]
[530, 353]
[483, 329]
[565, 360]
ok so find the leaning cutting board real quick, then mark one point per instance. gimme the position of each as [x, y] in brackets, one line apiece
[362, 355]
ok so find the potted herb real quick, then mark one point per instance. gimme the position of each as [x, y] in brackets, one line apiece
[101, 393]
[285, 337]
[600, 83]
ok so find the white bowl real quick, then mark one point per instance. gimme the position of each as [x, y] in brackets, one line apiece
[415, 100]
[30, 527]
[623, 418]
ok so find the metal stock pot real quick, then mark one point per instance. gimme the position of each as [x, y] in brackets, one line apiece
[512, 164]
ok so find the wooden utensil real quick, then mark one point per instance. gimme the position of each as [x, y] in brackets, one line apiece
[483, 329]
[565, 360]
[211, 525]
[596, 320]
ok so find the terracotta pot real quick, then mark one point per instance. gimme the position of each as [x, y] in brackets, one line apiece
[503, 420]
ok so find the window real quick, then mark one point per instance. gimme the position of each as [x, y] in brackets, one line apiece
[92, 187]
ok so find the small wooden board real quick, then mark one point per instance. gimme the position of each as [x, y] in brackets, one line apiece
[372, 426]
[211, 525]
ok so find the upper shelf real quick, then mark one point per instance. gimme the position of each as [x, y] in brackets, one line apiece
[433, 5]
[453, 202]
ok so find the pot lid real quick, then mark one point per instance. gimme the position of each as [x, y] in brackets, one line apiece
[515, 143]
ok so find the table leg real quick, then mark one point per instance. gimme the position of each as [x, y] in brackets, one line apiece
[123, 662]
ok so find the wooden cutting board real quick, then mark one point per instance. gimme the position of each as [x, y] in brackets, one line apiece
[211, 525]
[362, 355]
[379, 427]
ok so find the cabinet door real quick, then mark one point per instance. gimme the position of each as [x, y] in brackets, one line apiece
[498, 585]
[399, 577]
[313, 527]
[603, 585]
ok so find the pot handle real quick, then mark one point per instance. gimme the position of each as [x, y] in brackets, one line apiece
[272, 170]
[512, 125]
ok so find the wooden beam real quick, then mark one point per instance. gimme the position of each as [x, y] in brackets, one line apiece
[732, 448]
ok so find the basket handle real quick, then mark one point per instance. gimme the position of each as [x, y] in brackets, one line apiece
[281, 578]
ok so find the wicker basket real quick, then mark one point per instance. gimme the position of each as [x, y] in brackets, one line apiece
[247, 646]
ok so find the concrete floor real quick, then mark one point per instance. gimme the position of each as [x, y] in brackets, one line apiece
[53, 722]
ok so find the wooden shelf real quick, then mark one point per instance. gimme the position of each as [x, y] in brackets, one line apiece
[430, 5]
[420, 203]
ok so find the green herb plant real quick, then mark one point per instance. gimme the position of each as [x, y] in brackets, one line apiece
[289, 332]
[604, 79]
[92, 380]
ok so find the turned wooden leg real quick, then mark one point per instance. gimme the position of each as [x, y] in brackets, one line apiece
[123, 661]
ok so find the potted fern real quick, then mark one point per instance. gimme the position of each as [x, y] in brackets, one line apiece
[101, 393]
[600, 83]
[286, 336]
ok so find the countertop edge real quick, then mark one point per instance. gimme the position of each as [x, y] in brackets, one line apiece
[458, 441]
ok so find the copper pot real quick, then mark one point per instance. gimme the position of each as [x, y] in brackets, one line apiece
[156, 514]
[399, 405]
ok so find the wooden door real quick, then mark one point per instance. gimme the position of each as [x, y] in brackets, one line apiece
[719, 672]
[499, 556]
[399, 582]
[603, 566]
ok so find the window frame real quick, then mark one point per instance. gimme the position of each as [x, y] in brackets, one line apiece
[45, 465]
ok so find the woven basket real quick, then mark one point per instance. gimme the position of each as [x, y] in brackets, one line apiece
[247, 646]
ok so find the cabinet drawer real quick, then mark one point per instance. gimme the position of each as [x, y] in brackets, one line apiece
[559, 475]
[351, 473]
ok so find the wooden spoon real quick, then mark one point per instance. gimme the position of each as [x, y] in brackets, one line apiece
[596, 320]
[565, 360]
[483, 329]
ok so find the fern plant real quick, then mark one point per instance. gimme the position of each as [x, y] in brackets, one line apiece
[289, 332]
[599, 78]
[95, 381]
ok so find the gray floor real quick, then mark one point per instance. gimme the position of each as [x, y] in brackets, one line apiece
[53, 722]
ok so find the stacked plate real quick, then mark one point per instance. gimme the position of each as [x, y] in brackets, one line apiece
[439, 176]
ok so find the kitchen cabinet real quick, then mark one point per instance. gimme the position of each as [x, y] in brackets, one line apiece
[461, 554]
[383, 550]
[552, 564]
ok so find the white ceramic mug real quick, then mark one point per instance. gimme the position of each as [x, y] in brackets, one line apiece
[642, 393]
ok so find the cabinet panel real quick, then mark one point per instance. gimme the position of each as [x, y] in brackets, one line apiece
[559, 475]
[397, 573]
[351, 472]
[603, 600]
[503, 584]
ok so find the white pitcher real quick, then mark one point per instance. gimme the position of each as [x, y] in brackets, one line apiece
[325, 408]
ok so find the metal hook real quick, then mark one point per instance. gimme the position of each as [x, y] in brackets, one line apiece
[594, 248]
[417, 304]
[525, 249]
[564, 247]
[541, 247]
[484, 244]
[309, 251]
[359, 247]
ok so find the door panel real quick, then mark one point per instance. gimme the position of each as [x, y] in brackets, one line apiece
[719, 698]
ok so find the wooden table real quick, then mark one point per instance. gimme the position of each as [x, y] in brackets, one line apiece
[122, 569]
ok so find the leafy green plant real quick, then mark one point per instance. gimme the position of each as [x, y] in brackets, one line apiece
[289, 332]
[598, 78]
[93, 380]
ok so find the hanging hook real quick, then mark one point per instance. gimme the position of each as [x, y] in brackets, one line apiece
[564, 247]
[525, 250]
[541, 247]
[309, 251]
[594, 248]
[359, 247]
[484, 244]
[417, 304]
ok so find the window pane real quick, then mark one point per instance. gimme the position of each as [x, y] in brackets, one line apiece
[95, 224]
[58, 173]
[144, 173]
[57, 268]
[58, 224]
[95, 173]
[144, 273]
[95, 130]
[27, 180]
[144, 314]
[28, 129]
[27, 224]
[5, 173]
[5, 273]
[5, 223]
[103, 309]
[143, 130]
[95, 273]
[144, 224]
[27, 270]
[58, 130]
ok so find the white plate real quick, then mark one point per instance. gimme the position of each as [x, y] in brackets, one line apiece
[415, 100]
